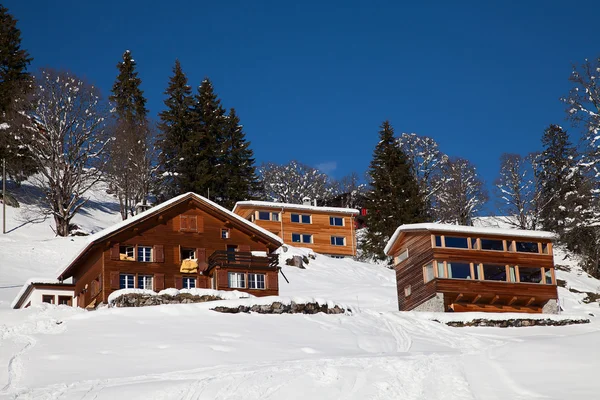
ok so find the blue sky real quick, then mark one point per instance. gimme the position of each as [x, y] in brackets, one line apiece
[313, 80]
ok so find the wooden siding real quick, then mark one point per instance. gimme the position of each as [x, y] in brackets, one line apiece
[91, 269]
[319, 227]
[463, 294]
[163, 233]
[410, 271]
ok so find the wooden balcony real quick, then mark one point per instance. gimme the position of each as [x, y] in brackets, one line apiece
[242, 259]
[476, 295]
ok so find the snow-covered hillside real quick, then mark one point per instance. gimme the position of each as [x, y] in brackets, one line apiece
[189, 352]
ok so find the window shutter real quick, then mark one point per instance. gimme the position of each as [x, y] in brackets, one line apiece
[199, 224]
[159, 282]
[114, 252]
[183, 223]
[244, 248]
[223, 283]
[159, 254]
[201, 256]
[114, 280]
[178, 282]
[192, 223]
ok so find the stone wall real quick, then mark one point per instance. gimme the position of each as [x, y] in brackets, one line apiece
[281, 308]
[516, 322]
[551, 307]
[435, 304]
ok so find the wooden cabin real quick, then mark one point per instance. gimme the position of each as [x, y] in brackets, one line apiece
[39, 291]
[186, 242]
[326, 230]
[461, 268]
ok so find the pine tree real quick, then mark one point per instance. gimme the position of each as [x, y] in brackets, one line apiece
[176, 130]
[130, 166]
[562, 196]
[242, 182]
[204, 150]
[15, 85]
[394, 197]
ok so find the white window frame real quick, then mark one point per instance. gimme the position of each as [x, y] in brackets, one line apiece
[147, 282]
[300, 218]
[236, 280]
[144, 255]
[127, 281]
[129, 251]
[192, 251]
[332, 219]
[253, 282]
[186, 282]
[225, 233]
[302, 235]
[333, 239]
[273, 216]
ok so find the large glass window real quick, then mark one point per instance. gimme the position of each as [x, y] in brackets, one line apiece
[237, 280]
[530, 274]
[144, 253]
[336, 221]
[301, 238]
[474, 244]
[256, 281]
[459, 270]
[338, 241]
[126, 281]
[264, 215]
[527, 247]
[428, 272]
[548, 275]
[545, 248]
[145, 282]
[493, 272]
[456, 242]
[438, 241]
[492, 244]
[513, 274]
[440, 269]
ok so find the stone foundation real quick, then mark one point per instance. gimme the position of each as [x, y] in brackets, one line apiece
[435, 304]
[551, 307]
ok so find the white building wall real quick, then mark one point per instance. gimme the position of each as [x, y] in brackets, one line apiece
[35, 297]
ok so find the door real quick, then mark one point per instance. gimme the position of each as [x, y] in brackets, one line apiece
[231, 249]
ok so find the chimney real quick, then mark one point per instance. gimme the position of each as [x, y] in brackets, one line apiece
[306, 201]
[315, 202]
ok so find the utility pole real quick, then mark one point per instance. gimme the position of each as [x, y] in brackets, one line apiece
[3, 195]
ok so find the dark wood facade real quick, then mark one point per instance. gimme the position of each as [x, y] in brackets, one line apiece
[424, 267]
[165, 236]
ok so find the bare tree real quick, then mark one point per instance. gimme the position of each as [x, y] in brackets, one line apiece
[348, 191]
[290, 183]
[67, 141]
[462, 193]
[518, 189]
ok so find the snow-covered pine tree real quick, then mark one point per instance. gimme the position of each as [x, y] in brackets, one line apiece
[564, 197]
[130, 167]
[69, 143]
[393, 198]
[461, 195]
[518, 191]
[291, 182]
[241, 180]
[205, 149]
[176, 129]
[15, 85]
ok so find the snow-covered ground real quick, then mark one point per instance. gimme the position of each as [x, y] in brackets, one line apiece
[189, 352]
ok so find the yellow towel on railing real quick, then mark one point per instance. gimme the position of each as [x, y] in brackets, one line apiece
[189, 266]
[123, 257]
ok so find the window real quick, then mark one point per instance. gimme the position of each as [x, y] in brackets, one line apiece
[127, 253]
[237, 280]
[336, 221]
[492, 244]
[224, 233]
[188, 254]
[144, 253]
[65, 300]
[338, 241]
[407, 290]
[438, 241]
[512, 273]
[474, 244]
[126, 281]
[493, 272]
[145, 282]
[301, 238]
[300, 218]
[268, 216]
[530, 274]
[428, 272]
[527, 247]
[256, 281]
[548, 275]
[48, 298]
[459, 270]
[545, 248]
[401, 257]
[441, 273]
[456, 242]
[189, 282]
[336, 256]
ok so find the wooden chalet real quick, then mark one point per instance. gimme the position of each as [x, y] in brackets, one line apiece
[460, 268]
[186, 242]
[326, 230]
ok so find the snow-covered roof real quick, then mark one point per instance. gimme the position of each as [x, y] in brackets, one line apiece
[474, 230]
[32, 281]
[269, 204]
[130, 221]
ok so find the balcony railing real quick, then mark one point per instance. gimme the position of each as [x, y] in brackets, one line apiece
[241, 259]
